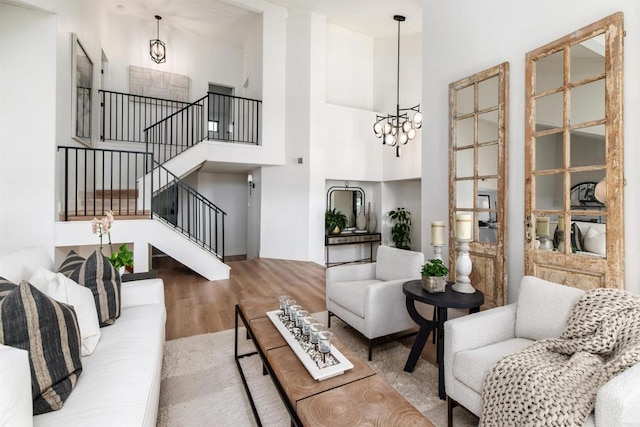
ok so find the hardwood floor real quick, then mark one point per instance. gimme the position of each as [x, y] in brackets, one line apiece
[197, 306]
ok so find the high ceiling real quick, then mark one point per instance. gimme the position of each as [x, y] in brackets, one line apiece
[223, 21]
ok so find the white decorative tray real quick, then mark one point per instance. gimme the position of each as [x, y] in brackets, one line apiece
[336, 363]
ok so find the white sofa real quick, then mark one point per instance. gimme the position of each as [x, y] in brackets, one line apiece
[474, 343]
[369, 297]
[120, 382]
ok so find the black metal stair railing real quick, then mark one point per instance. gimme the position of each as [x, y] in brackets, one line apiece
[124, 116]
[95, 181]
[188, 211]
[212, 117]
[132, 184]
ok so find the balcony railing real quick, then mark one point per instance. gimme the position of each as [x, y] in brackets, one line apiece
[124, 117]
[95, 181]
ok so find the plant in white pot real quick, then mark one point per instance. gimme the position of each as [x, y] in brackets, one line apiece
[434, 276]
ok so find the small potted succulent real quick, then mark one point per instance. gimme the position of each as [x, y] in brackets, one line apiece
[433, 276]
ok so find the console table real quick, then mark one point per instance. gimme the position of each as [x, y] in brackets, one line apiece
[357, 397]
[351, 239]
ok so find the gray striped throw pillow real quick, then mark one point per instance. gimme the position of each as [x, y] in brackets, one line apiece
[49, 331]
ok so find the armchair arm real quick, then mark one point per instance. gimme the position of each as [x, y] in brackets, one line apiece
[350, 273]
[385, 308]
[617, 400]
[474, 331]
[142, 292]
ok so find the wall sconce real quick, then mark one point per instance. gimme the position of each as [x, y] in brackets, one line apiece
[213, 126]
[251, 183]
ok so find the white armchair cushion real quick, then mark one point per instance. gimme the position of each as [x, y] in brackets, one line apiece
[16, 404]
[20, 265]
[472, 366]
[617, 400]
[393, 263]
[544, 308]
[63, 289]
[352, 294]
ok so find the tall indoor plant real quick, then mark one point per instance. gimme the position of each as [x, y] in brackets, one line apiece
[401, 230]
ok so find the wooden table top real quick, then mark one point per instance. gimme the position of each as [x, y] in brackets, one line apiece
[359, 396]
[298, 383]
[370, 401]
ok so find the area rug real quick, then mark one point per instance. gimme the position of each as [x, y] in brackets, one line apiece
[201, 385]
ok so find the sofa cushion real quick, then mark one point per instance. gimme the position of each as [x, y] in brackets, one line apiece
[543, 308]
[96, 273]
[49, 331]
[120, 382]
[595, 241]
[16, 405]
[61, 288]
[20, 265]
[393, 263]
[350, 295]
[471, 367]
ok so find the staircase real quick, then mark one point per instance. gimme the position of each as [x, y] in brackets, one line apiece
[139, 186]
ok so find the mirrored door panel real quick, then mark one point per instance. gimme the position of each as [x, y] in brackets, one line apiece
[478, 175]
[574, 158]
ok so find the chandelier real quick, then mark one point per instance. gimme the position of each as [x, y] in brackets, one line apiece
[157, 49]
[396, 130]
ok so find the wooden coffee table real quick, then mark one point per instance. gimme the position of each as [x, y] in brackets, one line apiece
[358, 396]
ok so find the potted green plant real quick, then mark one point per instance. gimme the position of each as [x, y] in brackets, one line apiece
[123, 259]
[433, 275]
[401, 230]
[334, 221]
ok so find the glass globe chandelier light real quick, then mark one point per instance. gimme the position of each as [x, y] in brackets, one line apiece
[396, 130]
[157, 49]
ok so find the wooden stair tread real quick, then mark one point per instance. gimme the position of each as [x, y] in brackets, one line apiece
[80, 216]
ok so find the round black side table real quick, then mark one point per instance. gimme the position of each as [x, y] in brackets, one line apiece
[440, 302]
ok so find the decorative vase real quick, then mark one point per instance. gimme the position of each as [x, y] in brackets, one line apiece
[121, 270]
[361, 220]
[336, 230]
[371, 226]
[434, 284]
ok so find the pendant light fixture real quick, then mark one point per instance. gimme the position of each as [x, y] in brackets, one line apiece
[157, 49]
[396, 130]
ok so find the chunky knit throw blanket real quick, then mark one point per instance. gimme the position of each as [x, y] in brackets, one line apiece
[554, 382]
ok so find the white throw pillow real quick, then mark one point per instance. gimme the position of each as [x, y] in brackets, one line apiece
[62, 289]
[595, 242]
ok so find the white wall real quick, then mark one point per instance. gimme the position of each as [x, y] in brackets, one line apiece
[188, 54]
[349, 68]
[27, 152]
[473, 36]
[231, 194]
[404, 194]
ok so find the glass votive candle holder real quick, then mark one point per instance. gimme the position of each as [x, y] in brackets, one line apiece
[293, 313]
[324, 343]
[306, 324]
[282, 299]
[287, 307]
[314, 330]
[299, 316]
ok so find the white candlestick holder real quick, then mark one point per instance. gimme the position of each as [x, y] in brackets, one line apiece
[545, 243]
[463, 268]
[437, 250]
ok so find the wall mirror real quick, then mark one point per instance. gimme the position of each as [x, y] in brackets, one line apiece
[478, 174]
[81, 87]
[348, 200]
[574, 158]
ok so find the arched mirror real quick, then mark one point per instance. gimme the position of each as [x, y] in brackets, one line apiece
[574, 158]
[348, 200]
[478, 175]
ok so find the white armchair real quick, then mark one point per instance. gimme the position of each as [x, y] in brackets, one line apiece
[369, 297]
[474, 343]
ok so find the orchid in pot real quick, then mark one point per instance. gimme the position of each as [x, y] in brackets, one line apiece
[123, 258]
